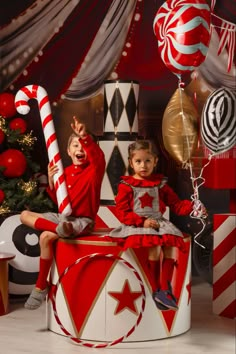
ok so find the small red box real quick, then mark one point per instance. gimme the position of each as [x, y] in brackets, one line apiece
[220, 173]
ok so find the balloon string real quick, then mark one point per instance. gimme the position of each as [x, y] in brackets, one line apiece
[181, 85]
[197, 182]
[199, 233]
[195, 196]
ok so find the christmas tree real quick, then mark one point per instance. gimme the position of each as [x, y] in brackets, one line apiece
[22, 185]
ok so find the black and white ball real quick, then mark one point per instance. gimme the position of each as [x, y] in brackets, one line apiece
[22, 241]
[218, 123]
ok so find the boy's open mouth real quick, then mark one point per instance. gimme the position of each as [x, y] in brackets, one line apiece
[80, 156]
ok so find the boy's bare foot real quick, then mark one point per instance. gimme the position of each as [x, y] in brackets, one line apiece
[64, 229]
[67, 228]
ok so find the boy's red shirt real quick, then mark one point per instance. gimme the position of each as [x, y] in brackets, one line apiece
[84, 182]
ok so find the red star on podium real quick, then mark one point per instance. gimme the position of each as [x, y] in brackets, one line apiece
[126, 298]
[146, 200]
[188, 287]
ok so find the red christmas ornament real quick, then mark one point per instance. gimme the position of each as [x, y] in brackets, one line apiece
[18, 123]
[2, 136]
[15, 163]
[2, 196]
[7, 105]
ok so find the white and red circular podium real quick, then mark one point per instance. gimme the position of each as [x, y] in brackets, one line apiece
[100, 298]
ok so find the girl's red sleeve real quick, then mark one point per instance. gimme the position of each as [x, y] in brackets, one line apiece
[176, 205]
[124, 206]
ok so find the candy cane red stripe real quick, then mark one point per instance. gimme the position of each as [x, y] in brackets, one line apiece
[56, 185]
[59, 182]
[35, 90]
[60, 179]
[20, 103]
[56, 158]
[46, 120]
[65, 202]
[28, 93]
[50, 140]
[118, 340]
[44, 101]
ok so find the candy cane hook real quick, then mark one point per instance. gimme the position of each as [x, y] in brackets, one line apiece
[21, 102]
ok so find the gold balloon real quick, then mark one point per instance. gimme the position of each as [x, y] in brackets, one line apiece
[180, 127]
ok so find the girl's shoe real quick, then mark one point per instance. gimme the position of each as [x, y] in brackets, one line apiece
[160, 306]
[165, 298]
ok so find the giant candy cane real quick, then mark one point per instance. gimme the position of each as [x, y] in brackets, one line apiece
[21, 102]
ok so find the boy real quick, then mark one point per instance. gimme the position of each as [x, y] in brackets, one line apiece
[83, 179]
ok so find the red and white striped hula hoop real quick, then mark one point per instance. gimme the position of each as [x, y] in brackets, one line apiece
[21, 102]
[118, 340]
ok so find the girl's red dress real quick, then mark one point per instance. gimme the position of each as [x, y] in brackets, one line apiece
[132, 222]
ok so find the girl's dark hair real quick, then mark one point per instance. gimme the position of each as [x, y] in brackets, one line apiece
[141, 145]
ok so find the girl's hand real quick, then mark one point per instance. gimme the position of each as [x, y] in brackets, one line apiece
[199, 210]
[204, 212]
[79, 128]
[52, 170]
[151, 223]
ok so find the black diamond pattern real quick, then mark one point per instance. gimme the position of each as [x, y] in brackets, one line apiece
[131, 107]
[116, 107]
[115, 168]
[105, 104]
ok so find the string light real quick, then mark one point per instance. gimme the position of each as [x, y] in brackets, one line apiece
[4, 208]
[27, 139]
[3, 124]
[28, 187]
[128, 45]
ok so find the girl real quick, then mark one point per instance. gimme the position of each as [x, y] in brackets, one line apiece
[140, 203]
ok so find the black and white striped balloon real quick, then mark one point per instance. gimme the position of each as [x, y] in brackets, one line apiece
[218, 121]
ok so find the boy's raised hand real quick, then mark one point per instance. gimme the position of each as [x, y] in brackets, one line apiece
[79, 128]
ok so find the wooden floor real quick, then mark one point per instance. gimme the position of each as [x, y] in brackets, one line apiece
[24, 331]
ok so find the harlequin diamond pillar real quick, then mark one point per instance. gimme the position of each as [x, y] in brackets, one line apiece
[120, 129]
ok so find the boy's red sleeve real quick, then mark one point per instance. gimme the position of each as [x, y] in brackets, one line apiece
[94, 153]
[52, 194]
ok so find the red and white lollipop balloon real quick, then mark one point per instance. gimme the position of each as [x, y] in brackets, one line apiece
[182, 29]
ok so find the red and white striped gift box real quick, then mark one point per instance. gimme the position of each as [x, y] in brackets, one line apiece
[224, 265]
